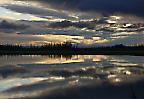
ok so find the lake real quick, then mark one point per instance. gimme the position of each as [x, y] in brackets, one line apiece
[72, 77]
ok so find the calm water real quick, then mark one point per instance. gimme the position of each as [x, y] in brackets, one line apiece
[72, 77]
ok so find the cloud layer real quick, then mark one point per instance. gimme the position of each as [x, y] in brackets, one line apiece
[43, 21]
[10, 25]
[105, 6]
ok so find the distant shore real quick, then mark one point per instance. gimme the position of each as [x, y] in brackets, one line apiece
[68, 49]
[74, 52]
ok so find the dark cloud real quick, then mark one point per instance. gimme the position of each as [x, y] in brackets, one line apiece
[36, 11]
[105, 6]
[64, 3]
[80, 24]
[89, 24]
[10, 25]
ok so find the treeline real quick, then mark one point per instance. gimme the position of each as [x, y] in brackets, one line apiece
[50, 46]
[68, 48]
[121, 47]
[50, 49]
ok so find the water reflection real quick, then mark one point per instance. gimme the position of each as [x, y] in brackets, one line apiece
[38, 74]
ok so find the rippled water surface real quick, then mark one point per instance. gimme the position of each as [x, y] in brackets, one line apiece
[71, 77]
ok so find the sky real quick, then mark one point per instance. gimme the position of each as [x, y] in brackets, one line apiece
[84, 22]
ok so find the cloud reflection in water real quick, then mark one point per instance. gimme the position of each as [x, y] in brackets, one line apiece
[46, 73]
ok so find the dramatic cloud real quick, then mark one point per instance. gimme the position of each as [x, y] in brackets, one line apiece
[10, 25]
[40, 12]
[80, 24]
[79, 21]
[105, 6]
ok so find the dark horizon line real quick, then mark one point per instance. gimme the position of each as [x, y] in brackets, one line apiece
[68, 49]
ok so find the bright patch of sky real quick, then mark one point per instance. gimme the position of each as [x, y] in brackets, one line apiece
[8, 14]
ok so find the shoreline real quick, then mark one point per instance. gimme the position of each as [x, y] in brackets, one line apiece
[69, 49]
[75, 52]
